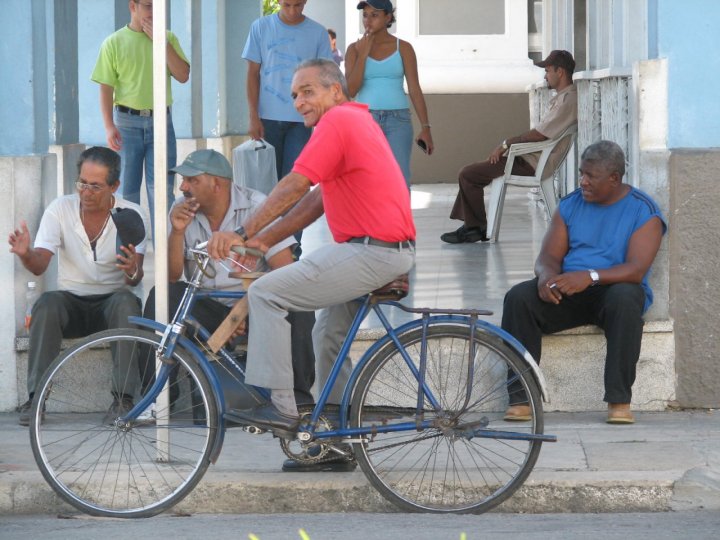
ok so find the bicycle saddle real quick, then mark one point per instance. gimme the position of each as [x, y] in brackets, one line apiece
[397, 289]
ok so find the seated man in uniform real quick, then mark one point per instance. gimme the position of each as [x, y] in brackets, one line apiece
[469, 205]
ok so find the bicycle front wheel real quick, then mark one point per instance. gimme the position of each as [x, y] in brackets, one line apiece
[109, 468]
[468, 459]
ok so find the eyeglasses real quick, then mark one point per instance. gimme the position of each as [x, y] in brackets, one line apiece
[95, 188]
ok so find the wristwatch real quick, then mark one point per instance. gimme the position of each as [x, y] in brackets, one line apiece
[594, 276]
[241, 232]
[505, 145]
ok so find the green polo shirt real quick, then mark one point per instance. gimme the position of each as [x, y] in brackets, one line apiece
[125, 63]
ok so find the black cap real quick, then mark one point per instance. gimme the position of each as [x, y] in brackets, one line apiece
[130, 227]
[561, 59]
[385, 5]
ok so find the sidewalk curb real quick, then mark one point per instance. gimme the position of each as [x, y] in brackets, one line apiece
[265, 493]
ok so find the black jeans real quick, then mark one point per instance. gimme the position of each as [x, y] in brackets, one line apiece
[211, 313]
[617, 309]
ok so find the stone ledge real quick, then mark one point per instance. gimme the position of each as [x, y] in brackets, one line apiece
[577, 385]
[373, 334]
[574, 385]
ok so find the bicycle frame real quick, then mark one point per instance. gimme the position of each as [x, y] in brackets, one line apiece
[459, 316]
[173, 334]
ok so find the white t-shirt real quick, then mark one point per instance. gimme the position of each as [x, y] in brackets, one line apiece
[81, 270]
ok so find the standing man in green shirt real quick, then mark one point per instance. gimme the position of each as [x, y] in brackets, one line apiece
[124, 70]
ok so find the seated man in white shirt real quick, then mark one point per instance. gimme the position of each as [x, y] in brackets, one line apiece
[94, 281]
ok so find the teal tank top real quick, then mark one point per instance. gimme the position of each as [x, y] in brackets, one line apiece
[382, 88]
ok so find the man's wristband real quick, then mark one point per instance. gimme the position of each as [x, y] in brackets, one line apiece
[240, 231]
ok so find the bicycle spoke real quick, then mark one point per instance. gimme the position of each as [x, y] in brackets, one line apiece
[446, 468]
[121, 470]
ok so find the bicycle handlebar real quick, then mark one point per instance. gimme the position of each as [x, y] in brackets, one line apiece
[240, 250]
[243, 250]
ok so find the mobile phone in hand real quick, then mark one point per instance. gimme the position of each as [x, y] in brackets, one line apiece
[422, 145]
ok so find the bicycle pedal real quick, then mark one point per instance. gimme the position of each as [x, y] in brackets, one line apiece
[254, 430]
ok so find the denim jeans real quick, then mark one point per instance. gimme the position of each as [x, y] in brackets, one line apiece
[288, 138]
[397, 127]
[138, 150]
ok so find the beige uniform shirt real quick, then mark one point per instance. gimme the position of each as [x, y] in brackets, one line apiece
[561, 114]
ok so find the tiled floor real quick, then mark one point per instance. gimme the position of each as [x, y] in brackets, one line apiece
[454, 276]
[466, 275]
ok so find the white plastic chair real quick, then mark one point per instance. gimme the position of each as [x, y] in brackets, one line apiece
[498, 187]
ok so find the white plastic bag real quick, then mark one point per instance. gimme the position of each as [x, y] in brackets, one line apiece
[254, 165]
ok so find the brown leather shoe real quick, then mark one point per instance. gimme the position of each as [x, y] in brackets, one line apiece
[619, 413]
[518, 413]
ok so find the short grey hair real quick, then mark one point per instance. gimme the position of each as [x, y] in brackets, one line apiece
[329, 73]
[607, 154]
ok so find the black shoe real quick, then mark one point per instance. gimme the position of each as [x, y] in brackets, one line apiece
[120, 407]
[266, 417]
[464, 235]
[24, 411]
[341, 463]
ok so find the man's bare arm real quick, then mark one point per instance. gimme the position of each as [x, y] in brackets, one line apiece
[36, 260]
[112, 134]
[179, 68]
[281, 199]
[255, 130]
[305, 212]
[642, 249]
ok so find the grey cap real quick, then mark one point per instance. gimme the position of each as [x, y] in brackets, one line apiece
[205, 161]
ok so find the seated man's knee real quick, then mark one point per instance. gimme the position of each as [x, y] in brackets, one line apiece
[49, 302]
[124, 304]
[625, 298]
[520, 295]
[176, 290]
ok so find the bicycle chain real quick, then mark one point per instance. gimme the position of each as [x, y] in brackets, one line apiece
[326, 453]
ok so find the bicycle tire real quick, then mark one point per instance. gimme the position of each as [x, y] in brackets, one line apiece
[458, 465]
[106, 469]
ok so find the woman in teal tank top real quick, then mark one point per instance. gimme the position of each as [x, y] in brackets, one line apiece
[375, 67]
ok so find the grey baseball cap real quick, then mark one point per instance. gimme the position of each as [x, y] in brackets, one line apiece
[205, 161]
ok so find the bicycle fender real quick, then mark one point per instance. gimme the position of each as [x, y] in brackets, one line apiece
[196, 353]
[507, 338]
[512, 342]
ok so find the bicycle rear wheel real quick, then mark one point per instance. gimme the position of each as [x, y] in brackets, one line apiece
[469, 460]
[105, 468]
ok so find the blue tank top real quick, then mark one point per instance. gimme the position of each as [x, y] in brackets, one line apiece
[598, 235]
[382, 88]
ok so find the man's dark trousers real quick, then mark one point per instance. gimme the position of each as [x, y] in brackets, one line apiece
[617, 309]
[470, 203]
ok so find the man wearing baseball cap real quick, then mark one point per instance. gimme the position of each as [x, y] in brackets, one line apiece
[469, 205]
[212, 202]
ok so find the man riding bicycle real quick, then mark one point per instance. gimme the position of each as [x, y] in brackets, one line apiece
[367, 205]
